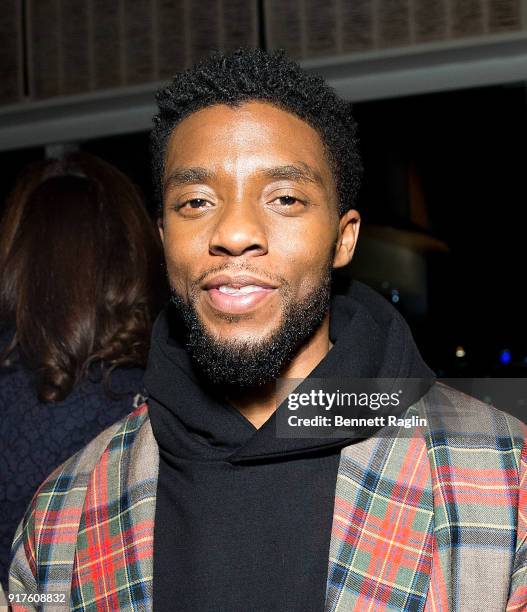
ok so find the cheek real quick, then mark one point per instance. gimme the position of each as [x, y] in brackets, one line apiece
[305, 258]
[175, 272]
[180, 257]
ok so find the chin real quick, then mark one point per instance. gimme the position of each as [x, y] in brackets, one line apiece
[239, 327]
[245, 336]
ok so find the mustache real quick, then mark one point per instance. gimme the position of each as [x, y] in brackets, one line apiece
[236, 270]
[227, 269]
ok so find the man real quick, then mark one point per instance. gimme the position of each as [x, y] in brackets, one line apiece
[193, 502]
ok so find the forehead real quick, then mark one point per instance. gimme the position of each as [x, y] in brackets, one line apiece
[256, 132]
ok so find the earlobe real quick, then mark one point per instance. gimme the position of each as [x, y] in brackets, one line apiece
[348, 235]
[160, 229]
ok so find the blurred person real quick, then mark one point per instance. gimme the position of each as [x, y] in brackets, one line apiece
[80, 282]
[258, 168]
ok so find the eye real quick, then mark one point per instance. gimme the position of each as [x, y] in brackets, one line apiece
[194, 203]
[286, 200]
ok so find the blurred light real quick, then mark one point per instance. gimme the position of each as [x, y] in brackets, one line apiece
[395, 296]
[460, 352]
[385, 284]
[505, 356]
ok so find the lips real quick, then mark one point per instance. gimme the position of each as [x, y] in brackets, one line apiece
[240, 280]
[237, 294]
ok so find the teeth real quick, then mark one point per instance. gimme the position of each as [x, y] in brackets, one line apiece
[232, 291]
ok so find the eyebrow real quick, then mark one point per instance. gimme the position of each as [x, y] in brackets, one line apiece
[299, 172]
[187, 176]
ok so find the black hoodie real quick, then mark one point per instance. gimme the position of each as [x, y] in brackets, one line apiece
[243, 518]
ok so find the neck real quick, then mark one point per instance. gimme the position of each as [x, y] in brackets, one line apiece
[259, 404]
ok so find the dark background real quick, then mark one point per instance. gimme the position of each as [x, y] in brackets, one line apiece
[443, 169]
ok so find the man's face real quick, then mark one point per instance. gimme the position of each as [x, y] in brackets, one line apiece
[250, 230]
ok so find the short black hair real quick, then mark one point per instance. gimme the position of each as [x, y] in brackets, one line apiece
[253, 74]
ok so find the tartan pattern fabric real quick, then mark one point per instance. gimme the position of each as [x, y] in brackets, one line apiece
[518, 597]
[45, 540]
[477, 468]
[437, 535]
[64, 543]
[382, 536]
[113, 564]
[426, 522]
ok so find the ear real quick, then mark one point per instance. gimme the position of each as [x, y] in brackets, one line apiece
[160, 228]
[348, 234]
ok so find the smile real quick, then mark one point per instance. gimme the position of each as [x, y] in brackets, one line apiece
[234, 301]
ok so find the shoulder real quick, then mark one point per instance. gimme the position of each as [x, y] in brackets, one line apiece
[473, 428]
[116, 438]
[454, 408]
[44, 537]
[45, 435]
[64, 489]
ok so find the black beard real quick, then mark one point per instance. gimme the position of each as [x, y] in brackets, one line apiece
[244, 365]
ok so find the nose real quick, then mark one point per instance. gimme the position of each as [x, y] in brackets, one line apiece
[240, 230]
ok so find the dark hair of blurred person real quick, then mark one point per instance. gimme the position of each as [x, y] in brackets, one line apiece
[78, 258]
[80, 284]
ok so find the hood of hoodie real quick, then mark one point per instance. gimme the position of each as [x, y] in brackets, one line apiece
[191, 421]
